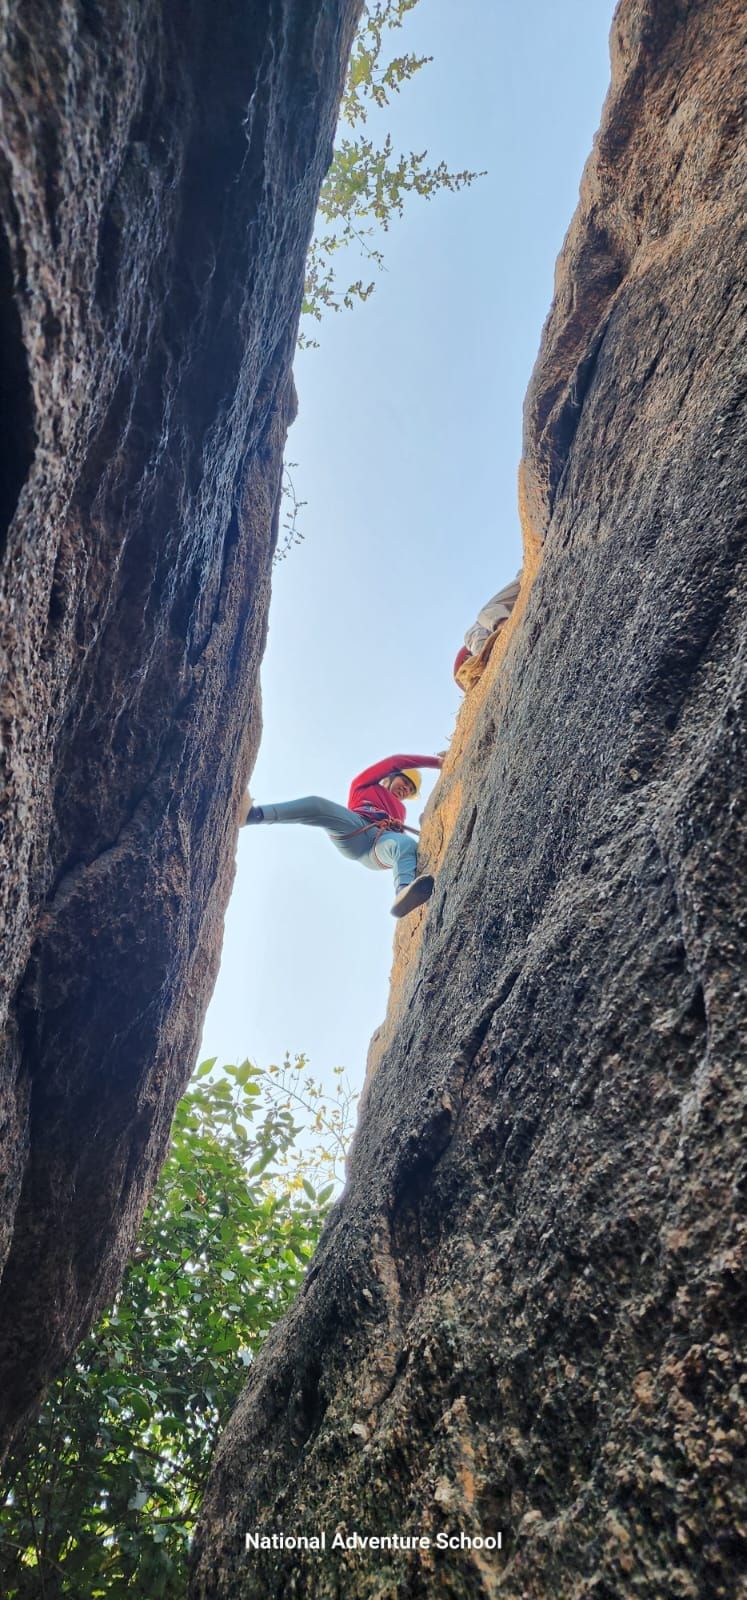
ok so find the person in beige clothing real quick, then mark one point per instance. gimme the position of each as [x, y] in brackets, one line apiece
[480, 638]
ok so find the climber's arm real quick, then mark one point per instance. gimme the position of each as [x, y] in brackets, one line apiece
[385, 768]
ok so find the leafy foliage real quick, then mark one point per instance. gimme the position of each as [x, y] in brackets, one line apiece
[368, 182]
[104, 1490]
[290, 530]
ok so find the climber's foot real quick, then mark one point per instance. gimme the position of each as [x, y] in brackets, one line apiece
[413, 895]
[253, 813]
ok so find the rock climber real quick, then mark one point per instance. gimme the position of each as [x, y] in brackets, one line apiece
[481, 637]
[372, 828]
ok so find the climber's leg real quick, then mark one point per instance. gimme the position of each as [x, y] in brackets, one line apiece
[345, 828]
[400, 852]
[314, 812]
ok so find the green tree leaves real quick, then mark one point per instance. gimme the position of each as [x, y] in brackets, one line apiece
[368, 182]
[104, 1490]
[367, 185]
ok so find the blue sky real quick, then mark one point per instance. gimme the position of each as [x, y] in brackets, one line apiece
[407, 443]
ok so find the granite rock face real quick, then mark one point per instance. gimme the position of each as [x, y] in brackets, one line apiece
[525, 1313]
[160, 162]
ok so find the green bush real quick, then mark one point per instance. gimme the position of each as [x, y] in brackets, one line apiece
[103, 1491]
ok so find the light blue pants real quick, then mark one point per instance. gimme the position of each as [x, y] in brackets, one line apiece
[352, 838]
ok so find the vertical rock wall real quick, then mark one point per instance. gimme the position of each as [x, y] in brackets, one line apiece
[527, 1310]
[160, 163]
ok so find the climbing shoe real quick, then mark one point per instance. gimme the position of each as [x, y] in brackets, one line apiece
[413, 895]
[250, 813]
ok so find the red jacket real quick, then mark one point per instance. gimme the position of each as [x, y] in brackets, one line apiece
[369, 798]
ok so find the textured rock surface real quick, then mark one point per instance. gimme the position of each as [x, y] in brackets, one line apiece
[160, 163]
[525, 1312]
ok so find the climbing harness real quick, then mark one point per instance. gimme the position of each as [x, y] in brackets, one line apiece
[383, 824]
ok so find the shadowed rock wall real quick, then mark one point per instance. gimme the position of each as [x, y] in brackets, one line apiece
[160, 162]
[526, 1311]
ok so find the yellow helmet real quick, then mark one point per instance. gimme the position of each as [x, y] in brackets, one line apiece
[413, 775]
